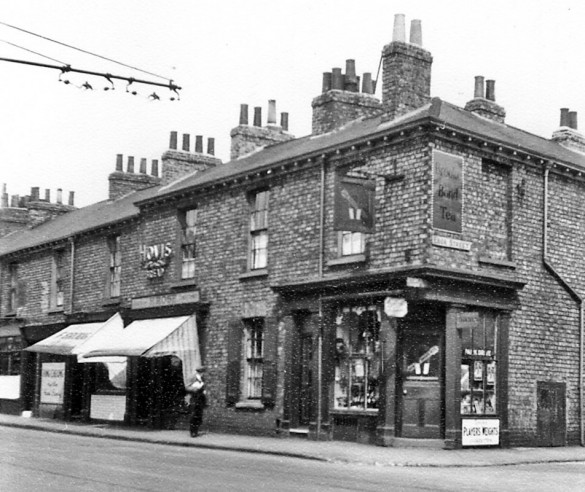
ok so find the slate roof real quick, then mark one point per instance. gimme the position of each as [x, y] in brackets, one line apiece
[437, 111]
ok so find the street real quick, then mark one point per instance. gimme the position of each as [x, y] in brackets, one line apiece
[35, 460]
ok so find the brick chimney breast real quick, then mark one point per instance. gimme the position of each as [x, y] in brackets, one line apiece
[568, 135]
[406, 75]
[484, 101]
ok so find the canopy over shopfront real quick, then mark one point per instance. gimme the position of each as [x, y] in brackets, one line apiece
[66, 341]
[148, 338]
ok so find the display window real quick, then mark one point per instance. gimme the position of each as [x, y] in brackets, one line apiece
[357, 358]
[479, 366]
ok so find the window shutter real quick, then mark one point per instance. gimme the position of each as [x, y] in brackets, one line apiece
[269, 375]
[234, 362]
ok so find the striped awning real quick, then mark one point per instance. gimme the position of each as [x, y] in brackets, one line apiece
[149, 338]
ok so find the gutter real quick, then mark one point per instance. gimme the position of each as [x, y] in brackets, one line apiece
[573, 293]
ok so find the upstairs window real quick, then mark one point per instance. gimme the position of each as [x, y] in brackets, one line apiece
[188, 221]
[12, 287]
[58, 280]
[352, 243]
[258, 230]
[115, 266]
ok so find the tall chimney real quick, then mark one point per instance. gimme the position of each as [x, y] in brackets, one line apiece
[120, 163]
[211, 146]
[479, 86]
[350, 82]
[490, 90]
[564, 116]
[337, 79]
[130, 167]
[406, 79]
[4, 203]
[186, 142]
[367, 87]
[48, 195]
[257, 116]
[284, 121]
[173, 141]
[34, 194]
[271, 121]
[154, 168]
[573, 120]
[59, 196]
[326, 82]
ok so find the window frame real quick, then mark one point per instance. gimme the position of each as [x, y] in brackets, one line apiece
[12, 355]
[258, 229]
[352, 234]
[184, 245]
[57, 296]
[12, 298]
[253, 347]
[114, 273]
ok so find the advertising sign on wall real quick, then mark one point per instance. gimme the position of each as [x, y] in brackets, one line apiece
[52, 382]
[447, 191]
[480, 432]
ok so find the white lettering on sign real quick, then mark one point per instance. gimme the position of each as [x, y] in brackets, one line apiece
[155, 259]
[395, 307]
[52, 382]
[468, 319]
[480, 432]
[449, 242]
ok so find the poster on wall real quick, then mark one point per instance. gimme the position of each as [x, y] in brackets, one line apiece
[52, 382]
[447, 191]
[480, 432]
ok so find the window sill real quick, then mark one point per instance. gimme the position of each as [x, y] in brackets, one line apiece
[56, 310]
[179, 284]
[11, 314]
[492, 261]
[347, 260]
[343, 411]
[111, 302]
[261, 272]
[249, 405]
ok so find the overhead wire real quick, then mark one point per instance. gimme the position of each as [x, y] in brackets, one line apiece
[31, 51]
[83, 51]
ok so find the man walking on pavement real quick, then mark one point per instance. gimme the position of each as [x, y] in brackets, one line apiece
[198, 401]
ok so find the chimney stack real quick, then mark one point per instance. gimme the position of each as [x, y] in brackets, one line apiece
[484, 100]
[351, 81]
[284, 121]
[121, 183]
[406, 79]
[186, 142]
[120, 163]
[34, 194]
[48, 195]
[568, 135]
[173, 141]
[154, 168]
[243, 114]
[211, 146]
[130, 167]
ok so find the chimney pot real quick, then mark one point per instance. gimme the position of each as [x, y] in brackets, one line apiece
[119, 163]
[271, 112]
[350, 82]
[199, 144]
[243, 114]
[34, 194]
[48, 195]
[71, 198]
[479, 90]
[573, 120]
[59, 196]
[564, 116]
[337, 79]
[367, 87]
[14, 201]
[284, 121]
[186, 142]
[173, 141]
[399, 32]
[416, 32]
[143, 166]
[154, 168]
[130, 166]
[211, 146]
[490, 90]
[257, 116]
[326, 81]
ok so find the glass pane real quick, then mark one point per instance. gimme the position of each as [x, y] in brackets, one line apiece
[422, 355]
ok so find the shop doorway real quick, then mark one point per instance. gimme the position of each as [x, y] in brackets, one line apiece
[420, 385]
[550, 407]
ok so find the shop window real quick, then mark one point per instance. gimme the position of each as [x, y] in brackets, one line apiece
[254, 348]
[352, 243]
[479, 366]
[10, 353]
[12, 287]
[115, 266]
[188, 220]
[258, 258]
[57, 279]
[358, 358]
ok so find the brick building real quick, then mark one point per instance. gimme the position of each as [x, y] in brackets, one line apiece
[407, 271]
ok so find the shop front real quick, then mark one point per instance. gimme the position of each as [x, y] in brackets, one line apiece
[11, 344]
[403, 364]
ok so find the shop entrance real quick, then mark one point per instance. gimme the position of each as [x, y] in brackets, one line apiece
[551, 423]
[420, 387]
[302, 401]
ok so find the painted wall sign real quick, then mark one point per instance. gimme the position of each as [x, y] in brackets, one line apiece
[449, 242]
[165, 300]
[155, 258]
[52, 382]
[480, 432]
[447, 191]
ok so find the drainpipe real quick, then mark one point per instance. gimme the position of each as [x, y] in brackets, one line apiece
[575, 296]
[72, 274]
[321, 261]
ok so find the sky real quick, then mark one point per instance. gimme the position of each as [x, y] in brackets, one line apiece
[224, 53]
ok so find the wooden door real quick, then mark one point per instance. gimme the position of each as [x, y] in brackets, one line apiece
[305, 379]
[551, 420]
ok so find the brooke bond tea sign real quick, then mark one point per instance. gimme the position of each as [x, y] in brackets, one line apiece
[447, 191]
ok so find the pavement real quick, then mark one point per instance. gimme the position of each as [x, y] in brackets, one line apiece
[327, 451]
